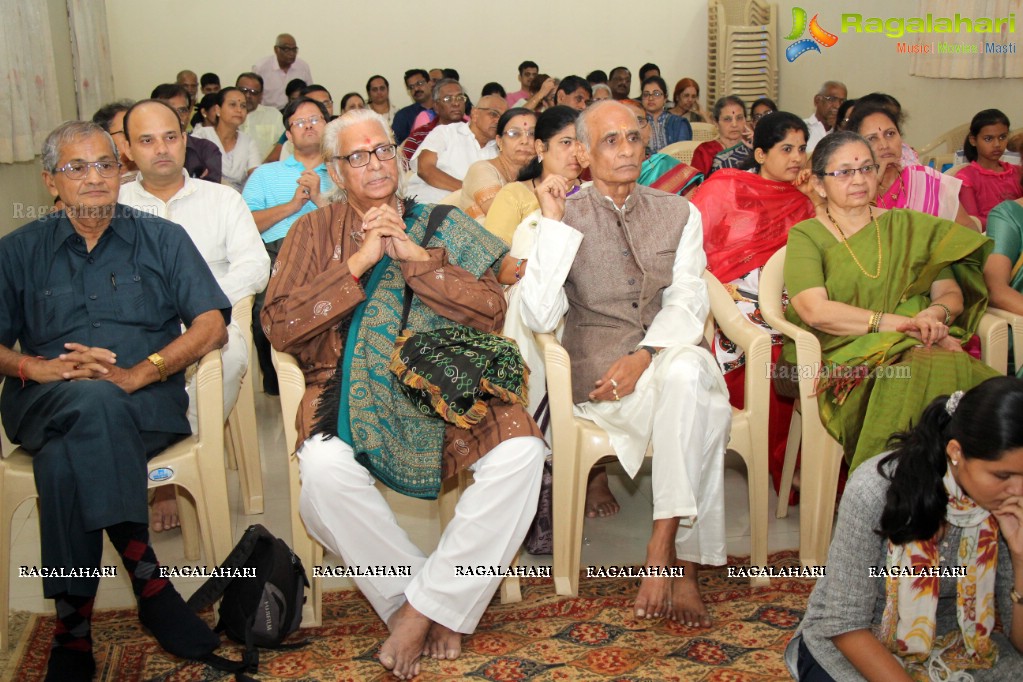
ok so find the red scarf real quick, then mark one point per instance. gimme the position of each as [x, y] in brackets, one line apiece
[746, 219]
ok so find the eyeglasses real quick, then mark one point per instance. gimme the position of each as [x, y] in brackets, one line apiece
[306, 122]
[832, 99]
[453, 99]
[515, 134]
[492, 113]
[250, 91]
[77, 170]
[757, 117]
[182, 110]
[643, 123]
[846, 174]
[360, 157]
[285, 48]
[417, 84]
[655, 94]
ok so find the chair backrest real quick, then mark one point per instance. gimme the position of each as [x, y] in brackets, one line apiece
[291, 381]
[453, 199]
[954, 170]
[704, 131]
[950, 139]
[683, 151]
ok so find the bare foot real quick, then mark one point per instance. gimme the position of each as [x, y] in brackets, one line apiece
[400, 652]
[163, 510]
[686, 604]
[654, 597]
[599, 500]
[443, 643]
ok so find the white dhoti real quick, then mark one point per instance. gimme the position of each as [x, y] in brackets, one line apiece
[680, 407]
[345, 512]
[235, 358]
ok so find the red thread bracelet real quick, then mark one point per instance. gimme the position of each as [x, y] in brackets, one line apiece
[21, 367]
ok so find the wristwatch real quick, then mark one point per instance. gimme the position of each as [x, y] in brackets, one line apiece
[160, 365]
[649, 349]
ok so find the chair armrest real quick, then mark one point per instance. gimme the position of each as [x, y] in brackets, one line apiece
[993, 331]
[292, 386]
[1015, 329]
[209, 394]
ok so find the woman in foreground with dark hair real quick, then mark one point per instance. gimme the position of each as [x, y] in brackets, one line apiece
[950, 495]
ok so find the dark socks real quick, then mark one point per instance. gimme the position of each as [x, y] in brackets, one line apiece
[161, 609]
[71, 655]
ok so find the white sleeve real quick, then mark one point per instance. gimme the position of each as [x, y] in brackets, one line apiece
[248, 263]
[253, 159]
[685, 303]
[543, 285]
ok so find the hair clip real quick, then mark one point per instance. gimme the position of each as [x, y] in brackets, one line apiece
[953, 402]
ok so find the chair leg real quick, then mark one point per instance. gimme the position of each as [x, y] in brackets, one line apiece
[511, 592]
[569, 501]
[759, 481]
[788, 470]
[243, 433]
[817, 499]
[306, 549]
[190, 523]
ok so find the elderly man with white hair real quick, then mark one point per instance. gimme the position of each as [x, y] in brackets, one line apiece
[624, 263]
[335, 301]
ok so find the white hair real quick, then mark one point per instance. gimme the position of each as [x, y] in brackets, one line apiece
[582, 124]
[331, 142]
[68, 132]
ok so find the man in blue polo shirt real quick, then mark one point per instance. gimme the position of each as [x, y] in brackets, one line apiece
[279, 193]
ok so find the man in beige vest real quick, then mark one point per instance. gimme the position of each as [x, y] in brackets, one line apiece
[625, 263]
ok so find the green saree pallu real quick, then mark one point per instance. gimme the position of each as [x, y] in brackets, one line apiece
[873, 385]
[391, 436]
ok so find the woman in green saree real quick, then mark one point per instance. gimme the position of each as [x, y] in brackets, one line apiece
[1003, 272]
[891, 295]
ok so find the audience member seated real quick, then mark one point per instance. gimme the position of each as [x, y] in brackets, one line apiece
[746, 219]
[527, 72]
[759, 109]
[647, 70]
[596, 77]
[844, 113]
[417, 82]
[98, 387]
[574, 92]
[355, 258]
[729, 113]
[516, 130]
[190, 82]
[987, 181]
[542, 91]
[601, 91]
[110, 117]
[662, 171]
[634, 326]
[1002, 272]
[378, 90]
[894, 107]
[888, 293]
[686, 99]
[946, 496]
[917, 187]
[262, 123]
[221, 227]
[238, 152]
[494, 88]
[444, 157]
[202, 157]
[825, 115]
[283, 149]
[281, 192]
[279, 68]
[210, 83]
[620, 81]
[293, 90]
[449, 104]
[665, 128]
[203, 117]
[352, 100]
[556, 153]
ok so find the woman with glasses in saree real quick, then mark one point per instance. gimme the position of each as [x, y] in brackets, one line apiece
[515, 135]
[891, 295]
[665, 127]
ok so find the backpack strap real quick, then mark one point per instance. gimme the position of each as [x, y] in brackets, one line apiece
[437, 216]
[214, 587]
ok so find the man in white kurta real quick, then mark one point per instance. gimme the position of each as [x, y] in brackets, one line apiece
[623, 263]
[214, 216]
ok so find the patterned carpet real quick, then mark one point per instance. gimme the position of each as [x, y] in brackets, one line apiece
[544, 637]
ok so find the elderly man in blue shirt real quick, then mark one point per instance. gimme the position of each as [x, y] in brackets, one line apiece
[95, 295]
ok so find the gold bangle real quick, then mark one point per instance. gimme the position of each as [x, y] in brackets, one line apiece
[948, 311]
[160, 365]
[1016, 597]
[875, 321]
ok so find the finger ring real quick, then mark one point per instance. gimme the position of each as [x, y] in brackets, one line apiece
[614, 384]
[615, 392]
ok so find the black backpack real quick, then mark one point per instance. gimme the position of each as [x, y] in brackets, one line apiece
[258, 610]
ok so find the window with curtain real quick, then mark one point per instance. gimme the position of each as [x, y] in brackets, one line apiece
[90, 52]
[980, 65]
[29, 105]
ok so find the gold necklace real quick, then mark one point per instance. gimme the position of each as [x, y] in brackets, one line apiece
[845, 241]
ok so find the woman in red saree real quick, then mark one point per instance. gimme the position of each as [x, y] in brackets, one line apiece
[746, 219]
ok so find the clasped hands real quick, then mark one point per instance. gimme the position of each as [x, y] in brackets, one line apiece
[930, 331]
[621, 378]
[383, 233]
[82, 363]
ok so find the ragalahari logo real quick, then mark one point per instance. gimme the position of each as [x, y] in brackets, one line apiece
[817, 35]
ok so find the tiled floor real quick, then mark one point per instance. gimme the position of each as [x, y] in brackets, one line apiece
[613, 541]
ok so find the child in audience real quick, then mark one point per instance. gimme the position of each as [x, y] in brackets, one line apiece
[987, 181]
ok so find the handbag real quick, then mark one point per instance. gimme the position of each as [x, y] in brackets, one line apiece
[453, 371]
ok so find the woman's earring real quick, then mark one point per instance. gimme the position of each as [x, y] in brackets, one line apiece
[539, 158]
